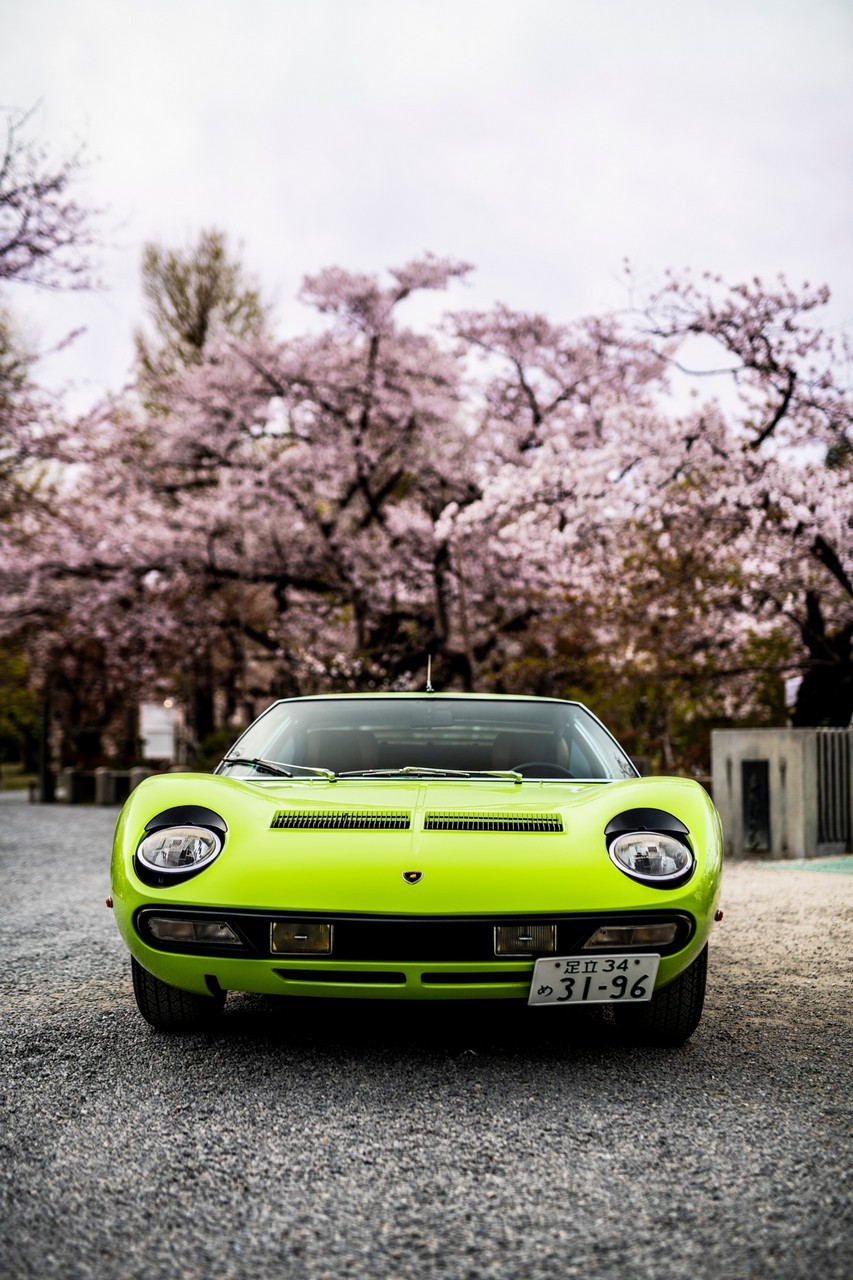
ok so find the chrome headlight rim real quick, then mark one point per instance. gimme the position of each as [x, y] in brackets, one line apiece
[191, 818]
[667, 880]
[643, 823]
[187, 832]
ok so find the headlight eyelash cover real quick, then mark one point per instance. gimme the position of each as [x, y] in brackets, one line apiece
[650, 846]
[178, 843]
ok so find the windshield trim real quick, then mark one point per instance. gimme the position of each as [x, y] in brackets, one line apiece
[416, 778]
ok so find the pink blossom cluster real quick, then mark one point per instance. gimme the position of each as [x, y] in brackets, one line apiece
[327, 511]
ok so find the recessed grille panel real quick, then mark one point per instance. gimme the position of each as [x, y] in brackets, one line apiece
[540, 822]
[341, 820]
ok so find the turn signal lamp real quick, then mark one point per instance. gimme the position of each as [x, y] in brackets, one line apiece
[186, 929]
[632, 935]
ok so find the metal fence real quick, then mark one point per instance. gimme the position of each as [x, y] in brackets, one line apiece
[834, 782]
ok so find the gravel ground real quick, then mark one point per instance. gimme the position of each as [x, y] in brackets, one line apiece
[308, 1142]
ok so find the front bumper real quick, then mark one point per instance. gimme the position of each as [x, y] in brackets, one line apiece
[390, 958]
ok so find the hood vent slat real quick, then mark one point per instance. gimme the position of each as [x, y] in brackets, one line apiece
[341, 820]
[542, 822]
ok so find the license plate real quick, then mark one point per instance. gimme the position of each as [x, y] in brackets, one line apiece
[593, 979]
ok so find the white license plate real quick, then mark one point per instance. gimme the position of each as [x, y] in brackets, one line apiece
[593, 979]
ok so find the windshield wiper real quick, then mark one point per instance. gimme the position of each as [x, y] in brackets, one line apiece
[419, 770]
[279, 770]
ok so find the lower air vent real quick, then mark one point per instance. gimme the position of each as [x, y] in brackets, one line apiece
[352, 820]
[492, 977]
[346, 977]
[497, 822]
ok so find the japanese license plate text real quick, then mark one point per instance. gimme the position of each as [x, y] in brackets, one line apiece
[593, 979]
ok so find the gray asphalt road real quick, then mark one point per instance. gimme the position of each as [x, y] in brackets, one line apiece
[308, 1142]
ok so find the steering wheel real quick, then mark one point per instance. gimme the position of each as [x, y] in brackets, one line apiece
[552, 770]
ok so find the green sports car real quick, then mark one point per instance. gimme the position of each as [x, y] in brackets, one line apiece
[421, 846]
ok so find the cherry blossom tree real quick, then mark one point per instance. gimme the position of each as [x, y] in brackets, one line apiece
[46, 240]
[681, 542]
[537, 506]
[46, 236]
[791, 452]
[272, 519]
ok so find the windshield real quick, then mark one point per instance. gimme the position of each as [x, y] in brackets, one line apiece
[429, 735]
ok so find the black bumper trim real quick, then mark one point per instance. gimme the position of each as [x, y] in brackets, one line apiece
[410, 939]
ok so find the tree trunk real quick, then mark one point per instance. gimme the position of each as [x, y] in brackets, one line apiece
[825, 696]
[46, 790]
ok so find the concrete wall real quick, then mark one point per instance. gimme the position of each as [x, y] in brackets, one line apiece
[766, 788]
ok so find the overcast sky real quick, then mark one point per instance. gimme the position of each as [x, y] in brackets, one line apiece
[544, 141]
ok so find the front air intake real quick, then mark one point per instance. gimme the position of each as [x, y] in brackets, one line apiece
[340, 820]
[493, 822]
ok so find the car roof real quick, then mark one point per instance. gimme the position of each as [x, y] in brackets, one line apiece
[435, 694]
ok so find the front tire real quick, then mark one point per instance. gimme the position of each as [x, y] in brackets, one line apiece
[169, 1008]
[673, 1013]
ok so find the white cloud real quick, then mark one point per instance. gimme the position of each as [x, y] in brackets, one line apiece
[543, 140]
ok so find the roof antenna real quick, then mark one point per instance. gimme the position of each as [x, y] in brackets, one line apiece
[429, 687]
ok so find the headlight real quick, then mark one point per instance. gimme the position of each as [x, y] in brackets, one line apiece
[179, 849]
[649, 856]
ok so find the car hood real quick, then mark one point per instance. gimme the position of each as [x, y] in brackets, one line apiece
[481, 846]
